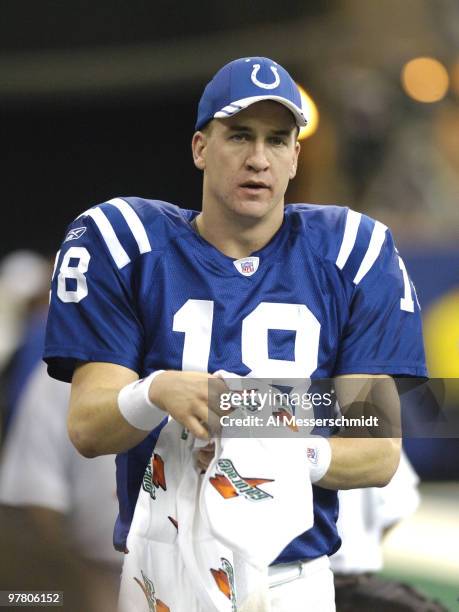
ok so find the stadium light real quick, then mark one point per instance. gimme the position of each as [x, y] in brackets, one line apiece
[425, 79]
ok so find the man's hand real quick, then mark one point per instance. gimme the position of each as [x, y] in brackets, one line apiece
[185, 396]
[371, 459]
[96, 425]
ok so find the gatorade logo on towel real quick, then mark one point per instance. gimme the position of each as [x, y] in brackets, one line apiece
[229, 483]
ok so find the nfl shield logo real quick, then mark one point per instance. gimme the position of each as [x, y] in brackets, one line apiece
[312, 454]
[247, 265]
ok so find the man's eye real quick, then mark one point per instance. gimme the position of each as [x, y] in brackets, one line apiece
[278, 140]
[239, 137]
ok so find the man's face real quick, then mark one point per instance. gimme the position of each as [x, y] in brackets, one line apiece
[248, 159]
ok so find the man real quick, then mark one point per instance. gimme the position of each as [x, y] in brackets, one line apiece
[70, 501]
[143, 288]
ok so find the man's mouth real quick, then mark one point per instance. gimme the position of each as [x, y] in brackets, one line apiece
[254, 186]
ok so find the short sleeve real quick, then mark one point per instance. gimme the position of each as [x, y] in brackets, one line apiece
[92, 314]
[383, 333]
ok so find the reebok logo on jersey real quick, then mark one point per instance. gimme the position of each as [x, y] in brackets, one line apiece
[229, 483]
[154, 476]
[75, 234]
[224, 577]
[154, 604]
[247, 266]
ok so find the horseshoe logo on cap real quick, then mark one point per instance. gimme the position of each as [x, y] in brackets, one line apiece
[273, 85]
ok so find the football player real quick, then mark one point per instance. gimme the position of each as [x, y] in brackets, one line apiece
[145, 289]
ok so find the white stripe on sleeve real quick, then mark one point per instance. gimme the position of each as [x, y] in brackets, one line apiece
[55, 264]
[376, 241]
[350, 234]
[134, 223]
[108, 234]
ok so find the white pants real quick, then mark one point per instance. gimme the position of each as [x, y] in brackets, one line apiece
[306, 587]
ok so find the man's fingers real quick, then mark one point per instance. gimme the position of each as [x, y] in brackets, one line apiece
[200, 411]
[216, 388]
[214, 425]
[197, 428]
[207, 418]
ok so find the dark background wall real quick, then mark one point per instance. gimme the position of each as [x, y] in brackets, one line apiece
[98, 99]
[59, 160]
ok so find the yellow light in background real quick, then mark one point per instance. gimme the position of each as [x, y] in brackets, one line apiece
[425, 79]
[441, 334]
[311, 114]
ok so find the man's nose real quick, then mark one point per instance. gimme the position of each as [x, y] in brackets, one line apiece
[257, 158]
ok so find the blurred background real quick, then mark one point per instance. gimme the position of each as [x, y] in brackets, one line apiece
[98, 100]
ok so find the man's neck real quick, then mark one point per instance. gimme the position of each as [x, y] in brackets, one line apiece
[236, 237]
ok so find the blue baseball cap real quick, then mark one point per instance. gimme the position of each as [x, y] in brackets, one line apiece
[245, 81]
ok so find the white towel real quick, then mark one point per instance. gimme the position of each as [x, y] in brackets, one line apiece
[174, 563]
[254, 498]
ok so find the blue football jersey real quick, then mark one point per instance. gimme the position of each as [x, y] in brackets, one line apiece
[135, 285]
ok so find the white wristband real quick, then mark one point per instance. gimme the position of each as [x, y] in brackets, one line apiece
[136, 407]
[319, 455]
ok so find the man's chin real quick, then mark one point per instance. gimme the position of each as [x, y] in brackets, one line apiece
[250, 208]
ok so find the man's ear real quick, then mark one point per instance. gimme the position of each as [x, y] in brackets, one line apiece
[198, 147]
[295, 160]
